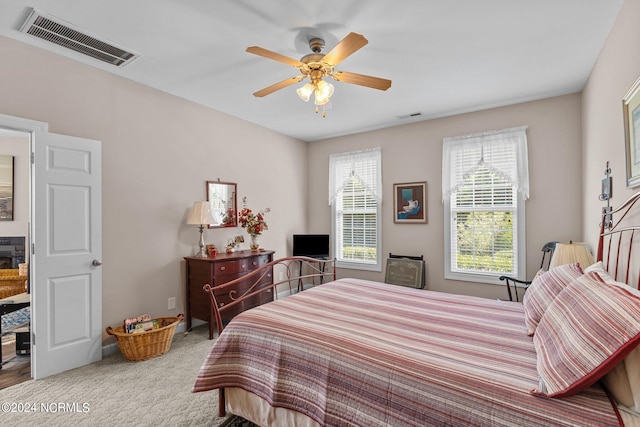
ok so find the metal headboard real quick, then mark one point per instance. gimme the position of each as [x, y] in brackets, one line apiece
[619, 237]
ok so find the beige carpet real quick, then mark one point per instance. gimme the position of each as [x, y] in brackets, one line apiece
[114, 392]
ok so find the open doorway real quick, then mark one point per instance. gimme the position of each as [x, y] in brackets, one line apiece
[14, 256]
[64, 247]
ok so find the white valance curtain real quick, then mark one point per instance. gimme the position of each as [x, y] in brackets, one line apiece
[362, 164]
[504, 152]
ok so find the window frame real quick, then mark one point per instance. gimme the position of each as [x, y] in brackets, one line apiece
[520, 259]
[336, 238]
[504, 154]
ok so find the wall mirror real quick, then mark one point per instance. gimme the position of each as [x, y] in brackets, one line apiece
[222, 196]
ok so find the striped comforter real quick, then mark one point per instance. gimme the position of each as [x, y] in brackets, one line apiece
[360, 353]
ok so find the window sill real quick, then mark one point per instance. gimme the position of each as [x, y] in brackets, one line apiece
[491, 279]
[358, 266]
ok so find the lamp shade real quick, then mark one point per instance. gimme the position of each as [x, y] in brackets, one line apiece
[200, 214]
[568, 253]
[305, 92]
[323, 92]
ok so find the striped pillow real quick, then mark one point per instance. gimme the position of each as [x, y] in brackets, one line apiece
[585, 332]
[543, 290]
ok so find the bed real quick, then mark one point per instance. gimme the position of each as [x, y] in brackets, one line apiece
[361, 353]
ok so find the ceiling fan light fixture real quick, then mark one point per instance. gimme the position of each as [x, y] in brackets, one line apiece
[321, 101]
[323, 92]
[305, 92]
[316, 66]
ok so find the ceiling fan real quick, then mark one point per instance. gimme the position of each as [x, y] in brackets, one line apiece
[317, 65]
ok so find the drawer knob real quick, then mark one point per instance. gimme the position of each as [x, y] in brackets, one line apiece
[244, 266]
[255, 263]
[220, 304]
[223, 268]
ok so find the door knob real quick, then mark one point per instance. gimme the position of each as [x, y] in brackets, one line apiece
[96, 262]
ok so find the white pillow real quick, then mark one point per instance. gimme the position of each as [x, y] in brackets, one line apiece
[599, 268]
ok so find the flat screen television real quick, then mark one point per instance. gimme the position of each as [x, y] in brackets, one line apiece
[311, 245]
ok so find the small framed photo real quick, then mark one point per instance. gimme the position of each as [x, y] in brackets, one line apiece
[410, 202]
[631, 109]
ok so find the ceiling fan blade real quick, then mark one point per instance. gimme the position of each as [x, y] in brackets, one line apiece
[362, 80]
[274, 87]
[256, 50]
[348, 45]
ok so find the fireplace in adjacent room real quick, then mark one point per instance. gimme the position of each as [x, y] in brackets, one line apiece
[12, 252]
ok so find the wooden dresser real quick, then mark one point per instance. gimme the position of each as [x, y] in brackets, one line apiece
[218, 270]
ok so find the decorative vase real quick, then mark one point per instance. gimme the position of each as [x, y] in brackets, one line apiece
[254, 242]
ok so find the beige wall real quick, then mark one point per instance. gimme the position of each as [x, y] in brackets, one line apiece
[157, 153]
[617, 68]
[19, 148]
[414, 153]
[159, 150]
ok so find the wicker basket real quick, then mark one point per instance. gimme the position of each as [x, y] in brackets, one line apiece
[149, 344]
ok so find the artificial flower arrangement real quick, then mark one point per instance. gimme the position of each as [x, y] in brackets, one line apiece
[253, 222]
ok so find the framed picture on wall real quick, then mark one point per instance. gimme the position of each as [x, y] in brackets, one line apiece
[6, 188]
[410, 202]
[631, 109]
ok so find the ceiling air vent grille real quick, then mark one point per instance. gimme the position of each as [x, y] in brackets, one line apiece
[57, 31]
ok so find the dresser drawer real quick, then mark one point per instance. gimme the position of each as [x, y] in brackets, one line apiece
[240, 265]
[261, 298]
[243, 285]
[222, 279]
[259, 261]
[231, 267]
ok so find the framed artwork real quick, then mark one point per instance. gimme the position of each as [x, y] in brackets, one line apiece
[6, 188]
[631, 109]
[410, 202]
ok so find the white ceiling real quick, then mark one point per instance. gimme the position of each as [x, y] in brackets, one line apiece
[444, 57]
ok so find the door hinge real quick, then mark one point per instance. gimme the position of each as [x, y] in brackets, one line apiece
[33, 338]
[33, 157]
[33, 248]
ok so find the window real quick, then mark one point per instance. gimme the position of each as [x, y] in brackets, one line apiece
[485, 180]
[355, 185]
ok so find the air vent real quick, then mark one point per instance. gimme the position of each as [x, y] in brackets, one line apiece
[55, 30]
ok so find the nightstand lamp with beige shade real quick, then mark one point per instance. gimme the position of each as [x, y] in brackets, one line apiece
[567, 253]
[200, 215]
[561, 253]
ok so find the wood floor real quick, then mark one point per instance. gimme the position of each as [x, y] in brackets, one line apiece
[15, 368]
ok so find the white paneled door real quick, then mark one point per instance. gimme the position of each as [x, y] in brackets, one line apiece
[66, 276]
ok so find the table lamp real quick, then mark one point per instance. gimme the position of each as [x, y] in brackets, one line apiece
[200, 214]
[568, 253]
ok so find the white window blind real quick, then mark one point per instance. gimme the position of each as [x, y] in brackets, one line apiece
[503, 152]
[355, 195]
[482, 176]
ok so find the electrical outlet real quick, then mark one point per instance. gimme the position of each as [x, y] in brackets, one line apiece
[171, 303]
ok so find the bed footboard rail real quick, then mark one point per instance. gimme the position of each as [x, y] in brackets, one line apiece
[294, 275]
